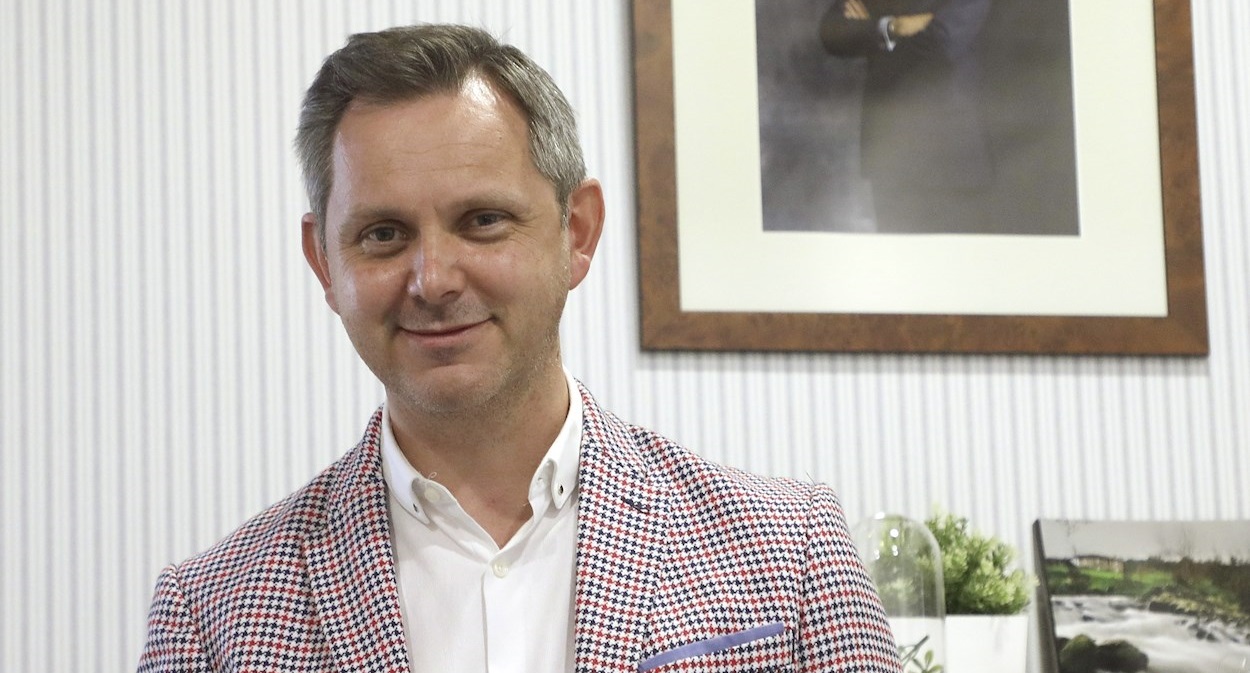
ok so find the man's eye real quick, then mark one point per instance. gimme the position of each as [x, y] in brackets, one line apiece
[382, 234]
[486, 219]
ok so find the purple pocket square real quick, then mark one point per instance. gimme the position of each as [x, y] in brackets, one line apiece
[711, 645]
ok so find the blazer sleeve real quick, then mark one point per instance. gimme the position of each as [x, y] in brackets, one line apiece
[173, 644]
[842, 626]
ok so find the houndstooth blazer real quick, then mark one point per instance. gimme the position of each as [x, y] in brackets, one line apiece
[681, 565]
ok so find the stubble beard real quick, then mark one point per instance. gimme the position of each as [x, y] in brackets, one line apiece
[491, 396]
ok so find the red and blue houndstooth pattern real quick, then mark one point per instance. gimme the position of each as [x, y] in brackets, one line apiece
[682, 565]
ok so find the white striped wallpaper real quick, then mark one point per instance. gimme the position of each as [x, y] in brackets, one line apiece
[167, 366]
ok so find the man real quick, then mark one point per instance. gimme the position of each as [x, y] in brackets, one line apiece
[923, 142]
[493, 517]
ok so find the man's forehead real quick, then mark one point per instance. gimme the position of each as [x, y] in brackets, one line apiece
[476, 88]
[475, 114]
[473, 133]
[482, 91]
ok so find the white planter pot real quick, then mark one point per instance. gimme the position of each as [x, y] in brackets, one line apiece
[986, 644]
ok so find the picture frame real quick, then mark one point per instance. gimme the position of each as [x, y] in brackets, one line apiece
[1178, 327]
[1117, 595]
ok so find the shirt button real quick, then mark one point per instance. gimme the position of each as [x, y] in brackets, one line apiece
[500, 569]
[432, 494]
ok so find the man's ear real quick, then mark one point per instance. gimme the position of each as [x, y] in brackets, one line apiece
[315, 253]
[586, 213]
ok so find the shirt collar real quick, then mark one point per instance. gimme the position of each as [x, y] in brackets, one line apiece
[558, 468]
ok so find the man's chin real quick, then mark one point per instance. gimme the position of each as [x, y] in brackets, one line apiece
[446, 390]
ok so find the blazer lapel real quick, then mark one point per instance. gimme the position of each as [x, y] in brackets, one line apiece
[352, 570]
[622, 519]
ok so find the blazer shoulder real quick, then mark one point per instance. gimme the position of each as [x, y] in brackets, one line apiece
[692, 484]
[697, 482]
[274, 537]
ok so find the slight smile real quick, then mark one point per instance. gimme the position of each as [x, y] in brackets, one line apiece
[443, 335]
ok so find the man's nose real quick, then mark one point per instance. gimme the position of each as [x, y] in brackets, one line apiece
[436, 276]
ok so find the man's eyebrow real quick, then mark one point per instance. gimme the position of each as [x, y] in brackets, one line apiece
[502, 197]
[373, 214]
[506, 199]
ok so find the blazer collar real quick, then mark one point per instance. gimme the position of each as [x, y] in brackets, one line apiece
[351, 567]
[622, 520]
[621, 528]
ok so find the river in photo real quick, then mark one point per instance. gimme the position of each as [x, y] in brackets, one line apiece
[1174, 643]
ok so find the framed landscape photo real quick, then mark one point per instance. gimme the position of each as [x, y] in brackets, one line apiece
[812, 178]
[1161, 596]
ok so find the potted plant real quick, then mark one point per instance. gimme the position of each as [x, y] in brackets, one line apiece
[986, 627]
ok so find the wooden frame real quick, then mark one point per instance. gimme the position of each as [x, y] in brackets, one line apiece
[665, 326]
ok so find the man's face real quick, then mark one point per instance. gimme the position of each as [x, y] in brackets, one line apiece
[444, 253]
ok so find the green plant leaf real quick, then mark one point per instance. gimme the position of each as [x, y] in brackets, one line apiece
[977, 571]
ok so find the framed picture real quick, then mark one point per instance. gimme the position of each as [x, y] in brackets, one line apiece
[1163, 596]
[808, 182]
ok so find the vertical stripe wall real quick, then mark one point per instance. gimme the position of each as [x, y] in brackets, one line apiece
[167, 365]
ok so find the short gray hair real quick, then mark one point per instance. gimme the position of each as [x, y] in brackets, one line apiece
[404, 63]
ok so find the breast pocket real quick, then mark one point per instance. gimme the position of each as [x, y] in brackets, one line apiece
[761, 648]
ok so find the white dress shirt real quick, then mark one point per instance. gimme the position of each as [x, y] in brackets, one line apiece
[469, 605]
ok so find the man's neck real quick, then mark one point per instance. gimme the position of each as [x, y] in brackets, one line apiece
[487, 458]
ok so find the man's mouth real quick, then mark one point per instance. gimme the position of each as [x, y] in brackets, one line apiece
[439, 330]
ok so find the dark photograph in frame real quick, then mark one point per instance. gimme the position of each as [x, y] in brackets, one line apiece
[666, 324]
[916, 116]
